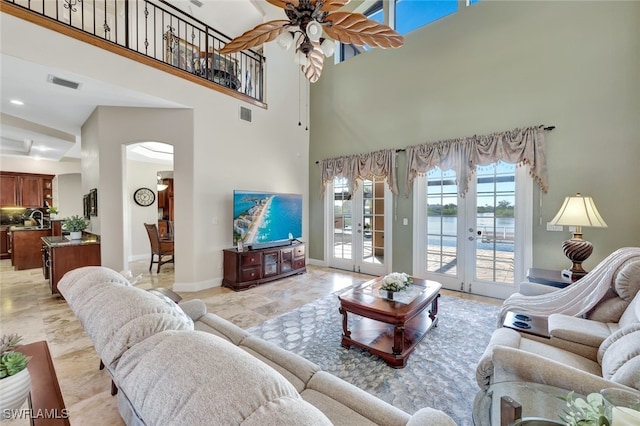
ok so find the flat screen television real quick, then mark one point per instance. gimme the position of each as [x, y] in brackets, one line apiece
[263, 219]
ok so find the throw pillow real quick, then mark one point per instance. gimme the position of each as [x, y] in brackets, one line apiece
[627, 282]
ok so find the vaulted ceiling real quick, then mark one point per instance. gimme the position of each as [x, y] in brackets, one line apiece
[47, 124]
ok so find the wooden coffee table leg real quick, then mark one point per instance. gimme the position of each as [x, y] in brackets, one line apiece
[398, 339]
[346, 334]
[433, 312]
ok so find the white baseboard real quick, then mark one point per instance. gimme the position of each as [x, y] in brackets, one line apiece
[137, 257]
[317, 262]
[197, 286]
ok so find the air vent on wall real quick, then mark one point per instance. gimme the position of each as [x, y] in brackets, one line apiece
[245, 114]
[62, 82]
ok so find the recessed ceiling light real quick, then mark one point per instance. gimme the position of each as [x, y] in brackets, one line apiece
[17, 102]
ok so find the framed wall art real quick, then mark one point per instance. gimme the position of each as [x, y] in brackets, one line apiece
[85, 206]
[93, 202]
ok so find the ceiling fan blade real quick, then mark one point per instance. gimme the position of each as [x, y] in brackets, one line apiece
[313, 69]
[355, 28]
[261, 34]
[283, 3]
[331, 5]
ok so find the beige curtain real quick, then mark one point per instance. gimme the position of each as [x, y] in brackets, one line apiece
[360, 166]
[519, 146]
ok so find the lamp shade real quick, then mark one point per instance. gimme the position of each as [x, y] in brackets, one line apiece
[579, 211]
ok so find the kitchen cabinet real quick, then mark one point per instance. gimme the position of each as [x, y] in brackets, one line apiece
[26, 247]
[246, 269]
[26, 190]
[5, 253]
[62, 255]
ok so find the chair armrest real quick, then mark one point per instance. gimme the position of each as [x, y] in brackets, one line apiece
[430, 417]
[578, 330]
[512, 364]
[534, 289]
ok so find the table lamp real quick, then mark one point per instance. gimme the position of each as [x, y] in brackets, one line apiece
[578, 211]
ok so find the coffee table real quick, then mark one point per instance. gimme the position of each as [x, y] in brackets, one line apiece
[390, 329]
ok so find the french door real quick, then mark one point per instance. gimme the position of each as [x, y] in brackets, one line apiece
[358, 229]
[479, 243]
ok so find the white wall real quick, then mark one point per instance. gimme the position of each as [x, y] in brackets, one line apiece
[68, 197]
[141, 175]
[495, 66]
[216, 154]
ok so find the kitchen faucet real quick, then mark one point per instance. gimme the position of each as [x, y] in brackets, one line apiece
[33, 213]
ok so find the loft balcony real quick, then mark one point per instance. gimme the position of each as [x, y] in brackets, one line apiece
[154, 33]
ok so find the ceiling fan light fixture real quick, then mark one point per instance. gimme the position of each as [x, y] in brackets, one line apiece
[328, 47]
[314, 30]
[285, 40]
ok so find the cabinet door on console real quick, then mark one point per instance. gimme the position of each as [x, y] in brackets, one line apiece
[286, 261]
[271, 260]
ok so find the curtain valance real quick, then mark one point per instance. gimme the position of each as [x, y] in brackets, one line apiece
[360, 166]
[519, 146]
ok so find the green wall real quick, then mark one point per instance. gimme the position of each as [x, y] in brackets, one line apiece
[491, 67]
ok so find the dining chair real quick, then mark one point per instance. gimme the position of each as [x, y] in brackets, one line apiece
[159, 247]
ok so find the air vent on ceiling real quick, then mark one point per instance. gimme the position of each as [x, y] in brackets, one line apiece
[245, 114]
[196, 3]
[62, 82]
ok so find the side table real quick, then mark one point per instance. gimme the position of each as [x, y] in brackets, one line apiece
[529, 324]
[45, 400]
[548, 277]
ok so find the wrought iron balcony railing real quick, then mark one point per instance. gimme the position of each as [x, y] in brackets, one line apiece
[162, 32]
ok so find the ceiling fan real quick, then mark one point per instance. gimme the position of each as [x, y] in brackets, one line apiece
[307, 21]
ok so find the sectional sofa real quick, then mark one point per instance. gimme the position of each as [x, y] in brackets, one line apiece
[177, 364]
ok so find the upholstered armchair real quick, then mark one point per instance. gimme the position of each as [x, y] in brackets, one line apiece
[602, 295]
[583, 355]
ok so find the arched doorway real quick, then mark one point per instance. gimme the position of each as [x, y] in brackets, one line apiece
[147, 165]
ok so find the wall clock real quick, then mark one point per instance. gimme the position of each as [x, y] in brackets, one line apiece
[144, 197]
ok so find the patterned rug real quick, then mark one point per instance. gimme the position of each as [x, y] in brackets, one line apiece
[440, 373]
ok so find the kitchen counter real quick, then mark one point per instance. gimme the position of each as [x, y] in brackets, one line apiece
[13, 228]
[65, 241]
[61, 255]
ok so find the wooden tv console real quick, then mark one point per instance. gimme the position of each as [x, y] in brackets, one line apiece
[250, 268]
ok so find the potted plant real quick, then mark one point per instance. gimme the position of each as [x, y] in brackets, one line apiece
[75, 225]
[53, 211]
[15, 381]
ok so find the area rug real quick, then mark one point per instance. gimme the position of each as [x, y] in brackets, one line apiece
[440, 373]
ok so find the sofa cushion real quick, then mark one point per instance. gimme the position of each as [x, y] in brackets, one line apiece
[174, 308]
[609, 310]
[116, 317]
[619, 353]
[188, 378]
[195, 308]
[578, 330]
[617, 335]
[212, 323]
[297, 370]
[346, 404]
[631, 315]
[627, 281]
[76, 282]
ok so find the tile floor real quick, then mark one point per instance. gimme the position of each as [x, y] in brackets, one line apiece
[29, 310]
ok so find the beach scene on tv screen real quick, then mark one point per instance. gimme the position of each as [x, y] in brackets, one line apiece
[260, 217]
